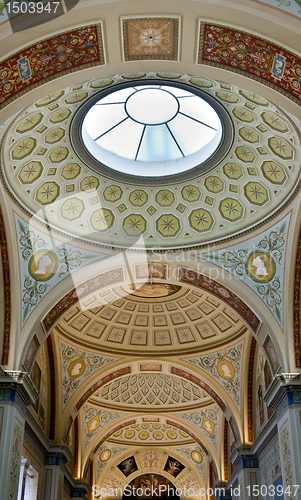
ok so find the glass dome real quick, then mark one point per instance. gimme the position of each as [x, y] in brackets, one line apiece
[151, 130]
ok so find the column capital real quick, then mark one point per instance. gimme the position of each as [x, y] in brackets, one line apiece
[282, 384]
[17, 387]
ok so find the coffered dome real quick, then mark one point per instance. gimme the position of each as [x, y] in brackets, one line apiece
[251, 172]
[153, 392]
[157, 319]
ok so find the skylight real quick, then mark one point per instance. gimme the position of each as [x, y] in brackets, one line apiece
[151, 130]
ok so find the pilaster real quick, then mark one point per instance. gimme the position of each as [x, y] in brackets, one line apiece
[246, 474]
[284, 395]
[22, 478]
[16, 393]
[53, 472]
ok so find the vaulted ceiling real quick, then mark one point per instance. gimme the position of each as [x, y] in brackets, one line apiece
[136, 306]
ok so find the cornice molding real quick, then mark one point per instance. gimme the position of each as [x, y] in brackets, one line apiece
[21, 381]
[281, 384]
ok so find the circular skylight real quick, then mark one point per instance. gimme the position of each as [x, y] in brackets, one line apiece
[151, 130]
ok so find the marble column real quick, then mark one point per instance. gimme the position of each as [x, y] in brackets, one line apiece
[16, 393]
[284, 394]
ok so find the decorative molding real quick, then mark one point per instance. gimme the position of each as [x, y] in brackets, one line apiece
[105, 454]
[251, 56]
[191, 434]
[120, 426]
[250, 390]
[15, 458]
[17, 387]
[94, 420]
[31, 353]
[150, 38]
[50, 58]
[297, 305]
[271, 354]
[194, 278]
[287, 460]
[6, 291]
[196, 456]
[207, 422]
[76, 451]
[291, 398]
[52, 387]
[282, 383]
[226, 468]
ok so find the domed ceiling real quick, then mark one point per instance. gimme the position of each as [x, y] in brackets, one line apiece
[156, 433]
[255, 177]
[184, 321]
[153, 392]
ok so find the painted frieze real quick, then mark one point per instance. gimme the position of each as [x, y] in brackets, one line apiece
[252, 56]
[48, 59]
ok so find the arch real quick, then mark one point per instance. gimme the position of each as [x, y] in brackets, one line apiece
[228, 404]
[157, 470]
[104, 435]
[189, 271]
[188, 275]
[122, 368]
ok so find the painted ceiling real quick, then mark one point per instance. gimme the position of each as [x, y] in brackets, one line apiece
[119, 330]
[142, 325]
[255, 178]
[151, 392]
[156, 433]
